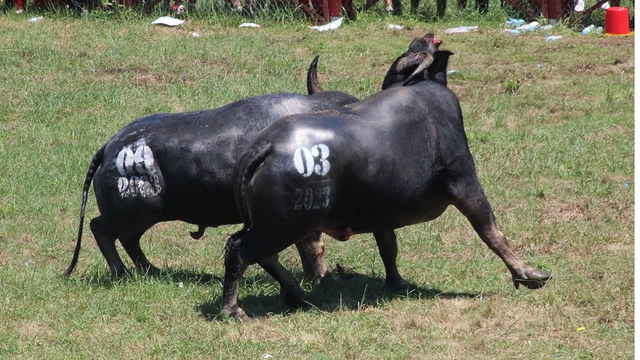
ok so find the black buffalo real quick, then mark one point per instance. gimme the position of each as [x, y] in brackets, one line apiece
[166, 167]
[397, 158]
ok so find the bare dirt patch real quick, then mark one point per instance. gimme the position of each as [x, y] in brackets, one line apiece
[586, 210]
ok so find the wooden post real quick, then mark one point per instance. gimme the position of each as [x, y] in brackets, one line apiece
[325, 11]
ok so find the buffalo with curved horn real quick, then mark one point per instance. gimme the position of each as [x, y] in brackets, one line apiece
[396, 158]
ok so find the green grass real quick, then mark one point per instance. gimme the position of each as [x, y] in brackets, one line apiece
[550, 126]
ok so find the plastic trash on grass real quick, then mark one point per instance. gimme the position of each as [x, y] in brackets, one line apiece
[395, 27]
[553, 38]
[167, 21]
[330, 26]
[460, 29]
[514, 22]
[529, 27]
[249, 25]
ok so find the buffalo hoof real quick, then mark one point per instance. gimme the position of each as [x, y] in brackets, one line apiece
[534, 279]
[234, 312]
[120, 273]
[149, 270]
[293, 297]
[398, 284]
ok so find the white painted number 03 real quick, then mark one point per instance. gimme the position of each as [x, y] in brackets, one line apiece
[312, 160]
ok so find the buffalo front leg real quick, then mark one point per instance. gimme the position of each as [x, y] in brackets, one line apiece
[107, 244]
[475, 206]
[388, 249]
[311, 250]
[290, 291]
[248, 247]
[131, 244]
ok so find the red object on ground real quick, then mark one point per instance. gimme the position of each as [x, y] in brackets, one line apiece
[616, 21]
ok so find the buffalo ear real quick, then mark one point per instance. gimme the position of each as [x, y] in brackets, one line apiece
[419, 73]
[402, 68]
[437, 71]
[409, 62]
[313, 86]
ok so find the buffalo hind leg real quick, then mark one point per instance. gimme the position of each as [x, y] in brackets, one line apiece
[234, 268]
[131, 244]
[107, 244]
[388, 249]
[311, 250]
[476, 208]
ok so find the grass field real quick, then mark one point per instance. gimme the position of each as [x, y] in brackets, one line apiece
[550, 126]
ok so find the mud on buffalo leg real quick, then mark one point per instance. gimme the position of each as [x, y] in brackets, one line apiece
[311, 251]
[473, 203]
[131, 244]
[234, 268]
[107, 244]
[388, 249]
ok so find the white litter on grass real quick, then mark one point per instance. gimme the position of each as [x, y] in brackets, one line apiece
[395, 27]
[514, 22]
[267, 356]
[330, 26]
[195, 35]
[180, 284]
[36, 19]
[529, 27]
[460, 29]
[168, 21]
[249, 25]
[553, 38]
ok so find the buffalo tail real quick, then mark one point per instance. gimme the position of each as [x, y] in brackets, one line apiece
[248, 167]
[95, 164]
